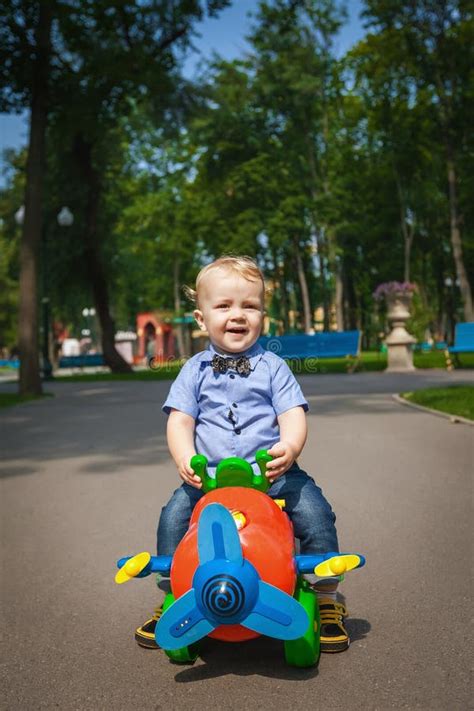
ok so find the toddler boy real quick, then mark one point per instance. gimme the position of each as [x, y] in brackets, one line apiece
[232, 400]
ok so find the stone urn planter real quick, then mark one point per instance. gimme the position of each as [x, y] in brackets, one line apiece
[399, 342]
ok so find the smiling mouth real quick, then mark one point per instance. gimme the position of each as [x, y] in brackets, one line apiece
[239, 331]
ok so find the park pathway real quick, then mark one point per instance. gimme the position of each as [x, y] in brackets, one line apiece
[84, 476]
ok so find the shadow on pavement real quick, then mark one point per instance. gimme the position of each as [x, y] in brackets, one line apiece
[119, 426]
[259, 657]
[358, 629]
[112, 428]
[13, 470]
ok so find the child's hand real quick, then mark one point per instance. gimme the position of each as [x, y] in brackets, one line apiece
[187, 474]
[284, 454]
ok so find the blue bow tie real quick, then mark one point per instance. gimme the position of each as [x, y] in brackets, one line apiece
[222, 365]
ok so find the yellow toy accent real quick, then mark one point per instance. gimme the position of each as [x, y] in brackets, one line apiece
[239, 519]
[337, 565]
[280, 502]
[132, 567]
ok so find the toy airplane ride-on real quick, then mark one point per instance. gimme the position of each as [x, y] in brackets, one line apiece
[235, 574]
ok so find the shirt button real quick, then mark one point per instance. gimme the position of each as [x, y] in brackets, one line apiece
[234, 404]
[237, 431]
[231, 376]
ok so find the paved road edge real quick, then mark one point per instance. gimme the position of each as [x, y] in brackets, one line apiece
[446, 415]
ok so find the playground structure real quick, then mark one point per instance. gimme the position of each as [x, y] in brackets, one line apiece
[155, 336]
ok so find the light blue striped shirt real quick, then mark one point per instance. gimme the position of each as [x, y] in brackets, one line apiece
[235, 415]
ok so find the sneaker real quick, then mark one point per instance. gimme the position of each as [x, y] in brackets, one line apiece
[145, 635]
[334, 637]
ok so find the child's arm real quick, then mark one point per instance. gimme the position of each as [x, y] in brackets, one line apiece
[180, 436]
[293, 432]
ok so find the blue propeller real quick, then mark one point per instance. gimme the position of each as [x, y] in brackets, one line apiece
[227, 589]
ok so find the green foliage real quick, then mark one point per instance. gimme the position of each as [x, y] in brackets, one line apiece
[10, 200]
[8, 292]
[422, 318]
[454, 400]
[289, 153]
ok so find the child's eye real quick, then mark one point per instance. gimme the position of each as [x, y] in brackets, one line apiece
[222, 306]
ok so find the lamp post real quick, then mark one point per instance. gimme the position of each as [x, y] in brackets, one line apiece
[65, 218]
[89, 331]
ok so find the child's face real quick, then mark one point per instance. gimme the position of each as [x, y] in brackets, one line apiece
[231, 310]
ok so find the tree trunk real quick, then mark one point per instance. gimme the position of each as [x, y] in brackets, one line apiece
[339, 296]
[177, 308]
[30, 381]
[408, 235]
[440, 325]
[330, 237]
[320, 241]
[284, 307]
[350, 300]
[94, 265]
[456, 243]
[323, 286]
[307, 317]
[408, 230]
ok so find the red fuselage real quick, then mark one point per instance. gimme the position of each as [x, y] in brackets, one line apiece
[267, 542]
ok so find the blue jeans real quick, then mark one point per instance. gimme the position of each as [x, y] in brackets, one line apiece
[312, 517]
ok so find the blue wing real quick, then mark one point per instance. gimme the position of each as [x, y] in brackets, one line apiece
[217, 535]
[276, 614]
[182, 623]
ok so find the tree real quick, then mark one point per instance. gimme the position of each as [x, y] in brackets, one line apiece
[26, 38]
[156, 234]
[264, 157]
[10, 199]
[433, 44]
[99, 56]
[297, 83]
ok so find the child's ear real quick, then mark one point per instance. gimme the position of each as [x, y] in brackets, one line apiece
[199, 319]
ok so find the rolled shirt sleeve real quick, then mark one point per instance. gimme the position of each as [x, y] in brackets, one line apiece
[286, 392]
[183, 392]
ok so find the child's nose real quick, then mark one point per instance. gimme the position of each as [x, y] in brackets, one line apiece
[237, 313]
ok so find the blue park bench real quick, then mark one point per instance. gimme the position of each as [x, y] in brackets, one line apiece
[323, 344]
[427, 347]
[463, 343]
[10, 363]
[81, 361]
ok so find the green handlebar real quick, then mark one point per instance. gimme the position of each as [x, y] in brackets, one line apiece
[233, 471]
[262, 457]
[199, 465]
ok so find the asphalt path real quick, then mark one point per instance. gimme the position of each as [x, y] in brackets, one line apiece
[84, 476]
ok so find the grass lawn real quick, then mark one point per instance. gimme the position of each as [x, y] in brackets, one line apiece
[369, 361]
[8, 399]
[455, 399]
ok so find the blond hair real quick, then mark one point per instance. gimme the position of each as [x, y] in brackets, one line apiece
[244, 266]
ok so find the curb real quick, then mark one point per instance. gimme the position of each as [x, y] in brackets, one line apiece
[454, 419]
